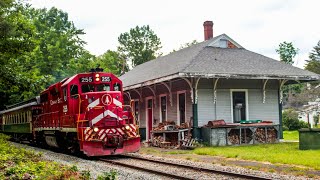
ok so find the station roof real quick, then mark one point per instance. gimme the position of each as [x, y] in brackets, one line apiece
[207, 59]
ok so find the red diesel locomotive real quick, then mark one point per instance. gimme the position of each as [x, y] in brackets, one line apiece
[85, 112]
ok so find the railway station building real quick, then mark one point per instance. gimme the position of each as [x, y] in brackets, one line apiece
[211, 80]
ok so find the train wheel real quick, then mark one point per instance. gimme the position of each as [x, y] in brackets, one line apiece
[75, 149]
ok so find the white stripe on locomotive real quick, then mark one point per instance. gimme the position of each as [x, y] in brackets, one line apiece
[94, 103]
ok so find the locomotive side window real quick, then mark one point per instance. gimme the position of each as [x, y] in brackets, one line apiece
[103, 87]
[44, 98]
[87, 88]
[64, 94]
[74, 91]
[54, 92]
[116, 87]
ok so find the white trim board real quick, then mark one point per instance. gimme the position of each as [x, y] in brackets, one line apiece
[247, 102]
[185, 106]
[160, 114]
[139, 108]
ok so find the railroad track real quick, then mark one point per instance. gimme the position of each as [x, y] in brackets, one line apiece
[172, 170]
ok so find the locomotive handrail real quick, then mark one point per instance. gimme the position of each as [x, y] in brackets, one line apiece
[78, 120]
[48, 113]
[83, 120]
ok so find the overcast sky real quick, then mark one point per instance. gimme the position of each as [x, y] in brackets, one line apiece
[258, 26]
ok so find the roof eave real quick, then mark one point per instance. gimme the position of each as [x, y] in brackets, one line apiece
[151, 82]
[252, 76]
[226, 76]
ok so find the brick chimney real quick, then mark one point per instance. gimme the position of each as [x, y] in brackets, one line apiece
[208, 32]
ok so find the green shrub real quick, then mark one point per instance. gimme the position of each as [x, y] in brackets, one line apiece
[285, 128]
[108, 175]
[303, 124]
[19, 163]
[85, 174]
[291, 121]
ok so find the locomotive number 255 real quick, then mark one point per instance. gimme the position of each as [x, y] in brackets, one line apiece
[86, 79]
[105, 79]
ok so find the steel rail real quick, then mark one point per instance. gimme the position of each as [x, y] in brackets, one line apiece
[146, 169]
[244, 176]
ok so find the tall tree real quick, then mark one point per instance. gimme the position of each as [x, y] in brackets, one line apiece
[139, 45]
[80, 64]
[185, 45]
[313, 64]
[38, 47]
[59, 42]
[287, 52]
[112, 61]
[17, 81]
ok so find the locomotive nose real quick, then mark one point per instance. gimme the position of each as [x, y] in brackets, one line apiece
[103, 108]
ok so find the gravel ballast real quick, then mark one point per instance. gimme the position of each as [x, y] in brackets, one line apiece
[97, 167]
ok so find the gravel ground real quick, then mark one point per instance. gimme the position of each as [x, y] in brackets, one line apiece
[234, 169]
[179, 171]
[97, 168]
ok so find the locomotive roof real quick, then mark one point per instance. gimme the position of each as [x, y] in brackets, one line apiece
[25, 104]
[205, 59]
[67, 81]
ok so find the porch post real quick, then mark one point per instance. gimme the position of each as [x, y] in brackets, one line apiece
[196, 130]
[280, 115]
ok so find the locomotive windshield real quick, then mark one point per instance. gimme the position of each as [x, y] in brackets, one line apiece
[103, 87]
[87, 88]
[99, 87]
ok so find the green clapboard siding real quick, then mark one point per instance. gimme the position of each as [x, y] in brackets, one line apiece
[309, 139]
[18, 128]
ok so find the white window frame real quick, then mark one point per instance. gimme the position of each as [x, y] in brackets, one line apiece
[185, 105]
[247, 102]
[160, 110]
[139, 108]
[146, 110]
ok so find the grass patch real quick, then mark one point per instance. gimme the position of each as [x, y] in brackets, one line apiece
[291, 135]
[284, 153]
[178, 152]
[19, 163]
[149, 151]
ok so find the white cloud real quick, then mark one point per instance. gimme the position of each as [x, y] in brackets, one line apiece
[257, 25]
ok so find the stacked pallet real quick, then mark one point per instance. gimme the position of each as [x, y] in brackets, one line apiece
[234, 136]
[161, 126]
[272, 135]
[246, 136]
[157, 141]
[260, 135]
[183, 126]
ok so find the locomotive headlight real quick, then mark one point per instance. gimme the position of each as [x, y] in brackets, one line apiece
[97, 75]
[127, 127]
[95, 129]
[97, 79]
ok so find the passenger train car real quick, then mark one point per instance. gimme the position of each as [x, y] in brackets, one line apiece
[83, 113]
